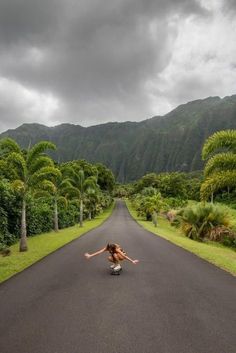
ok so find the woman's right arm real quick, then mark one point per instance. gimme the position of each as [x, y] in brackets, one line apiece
[88, 256]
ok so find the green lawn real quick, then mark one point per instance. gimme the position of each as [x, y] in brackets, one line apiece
[217, 254]
[43, 244]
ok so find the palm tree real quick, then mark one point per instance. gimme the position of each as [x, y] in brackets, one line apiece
[91, 200]
[220, 169]
[150, 204]
[55, 188]
[28, 169]
[79, 186]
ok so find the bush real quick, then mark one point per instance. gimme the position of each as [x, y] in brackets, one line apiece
[197, 222]
[39, 216]
[223, 235]
[173, 202]
[4, 250]
[69, 216]
[8, 214]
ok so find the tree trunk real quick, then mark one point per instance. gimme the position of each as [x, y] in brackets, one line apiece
[23, 239]
[212, 197]
[81, 213]
[154, 218]
[56, 228]
[90, 215]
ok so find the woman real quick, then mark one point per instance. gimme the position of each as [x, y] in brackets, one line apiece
[117, 254]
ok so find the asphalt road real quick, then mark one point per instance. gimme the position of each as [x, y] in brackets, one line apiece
[171, 302]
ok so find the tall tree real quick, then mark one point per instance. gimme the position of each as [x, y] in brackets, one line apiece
[56, 188]
[220, 171]
[79, 185]
[91, 200]
[28, 169]
[106, 179]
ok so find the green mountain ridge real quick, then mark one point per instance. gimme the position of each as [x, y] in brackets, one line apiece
[131, 149]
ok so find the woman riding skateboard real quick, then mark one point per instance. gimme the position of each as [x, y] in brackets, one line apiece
[117, 254]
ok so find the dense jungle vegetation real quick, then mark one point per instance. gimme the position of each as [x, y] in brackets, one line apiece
[38, 195]
[202, 204]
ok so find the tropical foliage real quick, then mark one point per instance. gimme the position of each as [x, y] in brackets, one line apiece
[174, 195]
[28, 169]
[207, 221]
[171, 185]
[220, 169]
[37, 196]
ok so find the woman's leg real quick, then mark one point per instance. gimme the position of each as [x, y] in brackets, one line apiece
[110, 258]
[118, 259]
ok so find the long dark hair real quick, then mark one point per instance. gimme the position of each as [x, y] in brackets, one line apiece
[111, 248]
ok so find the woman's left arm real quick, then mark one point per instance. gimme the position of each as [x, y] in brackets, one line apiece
[127, 258]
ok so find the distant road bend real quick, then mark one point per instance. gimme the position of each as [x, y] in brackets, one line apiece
[171, 302]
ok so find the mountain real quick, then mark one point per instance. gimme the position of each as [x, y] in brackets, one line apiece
[131, 149]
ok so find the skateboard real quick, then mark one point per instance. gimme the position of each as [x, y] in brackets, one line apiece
[115, 273]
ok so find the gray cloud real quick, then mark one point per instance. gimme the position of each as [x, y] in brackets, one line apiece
[92, 57]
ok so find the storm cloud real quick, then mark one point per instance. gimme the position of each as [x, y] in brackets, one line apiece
[94, 61]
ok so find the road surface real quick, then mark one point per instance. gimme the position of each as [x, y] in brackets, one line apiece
[171, 302]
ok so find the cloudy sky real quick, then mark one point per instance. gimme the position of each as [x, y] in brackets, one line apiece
[92, 61]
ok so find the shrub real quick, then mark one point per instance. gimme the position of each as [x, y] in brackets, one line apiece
[39, 217]
[68, 216]
[197, 222]
[147, 205]
[4, 250]
[174, 202]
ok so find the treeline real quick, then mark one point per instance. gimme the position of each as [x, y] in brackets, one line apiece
[177, 185]
[38, 195]
[216, 182]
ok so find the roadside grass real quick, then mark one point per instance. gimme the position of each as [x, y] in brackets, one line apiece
[215, 253]
[44, 244]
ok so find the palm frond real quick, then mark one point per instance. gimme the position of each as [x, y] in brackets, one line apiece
[39, 163]
[7, 146]
[18, 186]
[48, 173]
[38, 149]
[90, 182]
[66, 183]
[221, 139]
[71, 192]
[41, 194]
[62, 201]
[220, 162]
[17, 162]
[217, 181]
[48, 186]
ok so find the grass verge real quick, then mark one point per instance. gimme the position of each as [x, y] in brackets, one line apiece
[215, 253]
[43, 244]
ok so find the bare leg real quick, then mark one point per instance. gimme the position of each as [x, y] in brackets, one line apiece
[117, 259]
[111, 259]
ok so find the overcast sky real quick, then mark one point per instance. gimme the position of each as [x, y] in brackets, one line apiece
[92, 61]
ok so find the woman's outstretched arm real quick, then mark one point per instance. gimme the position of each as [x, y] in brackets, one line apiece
[127, 258]
[88, 256]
